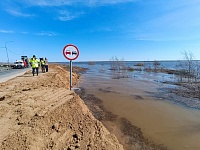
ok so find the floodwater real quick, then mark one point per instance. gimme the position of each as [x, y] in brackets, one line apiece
[174, 125]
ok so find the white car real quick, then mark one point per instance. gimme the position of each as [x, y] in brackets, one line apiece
[18, 64]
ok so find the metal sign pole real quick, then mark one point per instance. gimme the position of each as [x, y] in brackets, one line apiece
[70, 74]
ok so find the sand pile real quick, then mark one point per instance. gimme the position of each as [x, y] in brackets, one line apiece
[41, 112]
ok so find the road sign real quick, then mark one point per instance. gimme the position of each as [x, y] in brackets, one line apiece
[70, 52]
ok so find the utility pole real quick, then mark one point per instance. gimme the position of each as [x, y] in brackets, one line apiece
[7, 50]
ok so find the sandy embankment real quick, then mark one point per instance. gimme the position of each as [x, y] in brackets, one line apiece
[40, 112]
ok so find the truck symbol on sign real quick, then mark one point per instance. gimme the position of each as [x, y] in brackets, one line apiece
[74, 53]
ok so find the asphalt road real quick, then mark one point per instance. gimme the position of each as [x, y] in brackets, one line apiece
[12, 73]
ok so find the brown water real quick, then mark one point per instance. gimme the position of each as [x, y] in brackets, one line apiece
[175, 126]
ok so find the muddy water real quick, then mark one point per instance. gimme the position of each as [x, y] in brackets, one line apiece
[163, 122]
[175, 126]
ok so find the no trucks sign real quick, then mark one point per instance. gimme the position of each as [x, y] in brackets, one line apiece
[70, 52]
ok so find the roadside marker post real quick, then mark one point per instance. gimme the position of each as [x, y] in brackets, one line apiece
[70, 52]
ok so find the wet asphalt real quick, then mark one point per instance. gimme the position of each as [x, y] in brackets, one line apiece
[5, 75]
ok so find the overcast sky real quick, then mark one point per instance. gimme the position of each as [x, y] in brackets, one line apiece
[129, 29]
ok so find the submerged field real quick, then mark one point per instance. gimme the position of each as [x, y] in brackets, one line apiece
[140, 100]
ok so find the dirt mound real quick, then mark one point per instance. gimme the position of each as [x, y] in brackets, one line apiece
[41, 112]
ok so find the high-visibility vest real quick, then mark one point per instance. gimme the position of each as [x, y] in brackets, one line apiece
[42, 62]
[34, 63]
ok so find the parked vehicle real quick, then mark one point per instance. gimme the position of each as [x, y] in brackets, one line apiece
[18, 64]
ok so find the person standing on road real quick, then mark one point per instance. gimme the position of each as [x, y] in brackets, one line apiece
[42, 65]
[24, 63]
[34, 64]
[46, 64]
[27, 63]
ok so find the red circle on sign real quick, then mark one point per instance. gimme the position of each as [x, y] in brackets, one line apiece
[65, 53]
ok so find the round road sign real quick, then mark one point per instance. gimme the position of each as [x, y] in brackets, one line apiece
[70, 52]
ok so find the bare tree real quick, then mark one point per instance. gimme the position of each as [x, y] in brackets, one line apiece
[188, 67]
[189, 74]
[118, 68]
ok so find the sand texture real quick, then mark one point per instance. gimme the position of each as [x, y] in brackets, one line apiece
[41, 112]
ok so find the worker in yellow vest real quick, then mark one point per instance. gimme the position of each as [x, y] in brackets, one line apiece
[34, 64]
[46, 64]
[42, 65]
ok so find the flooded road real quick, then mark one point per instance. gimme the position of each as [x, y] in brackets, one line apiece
[175, 126]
